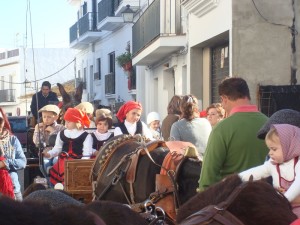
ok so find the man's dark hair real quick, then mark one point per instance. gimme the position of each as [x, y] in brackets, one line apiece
[46, 83]
[234, 88]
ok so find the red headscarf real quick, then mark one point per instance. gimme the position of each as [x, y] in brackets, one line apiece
[128, 106]
[6, 122]
[77, 116]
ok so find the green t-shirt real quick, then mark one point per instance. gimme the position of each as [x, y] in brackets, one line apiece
[233, 147]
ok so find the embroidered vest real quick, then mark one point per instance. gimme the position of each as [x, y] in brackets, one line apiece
[139, 128]
[98, 144]
[75, 144]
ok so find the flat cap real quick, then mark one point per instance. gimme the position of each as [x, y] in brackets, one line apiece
[283, 116]
[50, 108]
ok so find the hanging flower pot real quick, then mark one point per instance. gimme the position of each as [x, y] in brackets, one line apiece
[127, 66]
[124, 60]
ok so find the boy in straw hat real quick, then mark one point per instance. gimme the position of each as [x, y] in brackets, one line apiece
[47, 128]
[73, 143]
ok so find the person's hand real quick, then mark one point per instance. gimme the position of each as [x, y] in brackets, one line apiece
[46, 154]
[50, 129]
[281, 190]
[2, 165]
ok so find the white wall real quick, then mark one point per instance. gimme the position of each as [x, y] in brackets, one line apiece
[215, 22]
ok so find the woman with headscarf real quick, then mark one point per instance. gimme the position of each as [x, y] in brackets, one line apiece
[129, 120]
[12, 159]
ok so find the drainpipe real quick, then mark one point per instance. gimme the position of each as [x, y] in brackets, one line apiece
[293, 46]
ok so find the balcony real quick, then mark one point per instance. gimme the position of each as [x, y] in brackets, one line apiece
[7, 95]
[158, 33]
[110, 13]
[110, 84]
[84, 31]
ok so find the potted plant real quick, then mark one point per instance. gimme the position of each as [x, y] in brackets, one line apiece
[124, 61]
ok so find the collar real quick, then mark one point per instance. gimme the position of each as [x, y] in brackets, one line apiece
[244, 108]
[128, 124]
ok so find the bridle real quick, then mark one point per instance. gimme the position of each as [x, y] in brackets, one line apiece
[217, 214]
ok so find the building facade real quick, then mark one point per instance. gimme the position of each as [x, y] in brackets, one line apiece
[22, 72]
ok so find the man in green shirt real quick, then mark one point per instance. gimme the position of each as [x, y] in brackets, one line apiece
[233, 146]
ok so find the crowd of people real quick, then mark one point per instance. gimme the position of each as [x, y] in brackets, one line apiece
[231, 136]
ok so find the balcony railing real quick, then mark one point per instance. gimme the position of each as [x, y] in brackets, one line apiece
[107, 8]
[7, 95]
[162, 18]
[83, 25]
[110, 84]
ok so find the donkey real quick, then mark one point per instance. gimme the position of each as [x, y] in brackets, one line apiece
[252, 203]
[69, 99]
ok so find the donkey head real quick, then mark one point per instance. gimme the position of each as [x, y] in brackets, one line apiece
[70, 100]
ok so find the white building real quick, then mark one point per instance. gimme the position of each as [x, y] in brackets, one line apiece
[101, 35]
[187, 47]
[34, 66]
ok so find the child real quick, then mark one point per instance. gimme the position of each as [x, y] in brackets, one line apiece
[74, 142]
[129, 120]
[12, 159]
[101, 135]
[87, 108]
[48, 127]
[283, 141]
[153, 121]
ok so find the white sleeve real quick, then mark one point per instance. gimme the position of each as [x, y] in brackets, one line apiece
[117, 131]
[57, 147]
[258, 172]
[294, 190]
[146, 132]
[87, 150]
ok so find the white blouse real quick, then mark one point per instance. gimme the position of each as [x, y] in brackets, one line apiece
[131, 127]
[74, 133]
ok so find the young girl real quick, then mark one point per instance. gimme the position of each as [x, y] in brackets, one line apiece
[129, 120]
[283, 141]
[101, 135]
[74, 142]
[153, 121]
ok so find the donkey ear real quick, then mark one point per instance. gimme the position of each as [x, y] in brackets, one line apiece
[66, 97]
[78, 93]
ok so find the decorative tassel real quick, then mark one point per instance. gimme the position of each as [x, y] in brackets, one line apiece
[6, 186]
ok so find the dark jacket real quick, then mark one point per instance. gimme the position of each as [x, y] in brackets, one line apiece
[167, 124]
[42, 101]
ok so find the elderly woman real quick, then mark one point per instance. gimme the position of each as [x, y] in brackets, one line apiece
[12, 157]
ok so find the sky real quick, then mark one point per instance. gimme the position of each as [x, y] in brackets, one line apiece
[50, 23]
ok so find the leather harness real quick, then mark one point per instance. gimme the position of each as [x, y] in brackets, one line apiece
[217, 214]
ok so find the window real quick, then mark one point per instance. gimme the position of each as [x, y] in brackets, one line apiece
[97, 75]
[10, 81]
[112, 62]
[84, 78]
[2, 82]
[84, 8]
